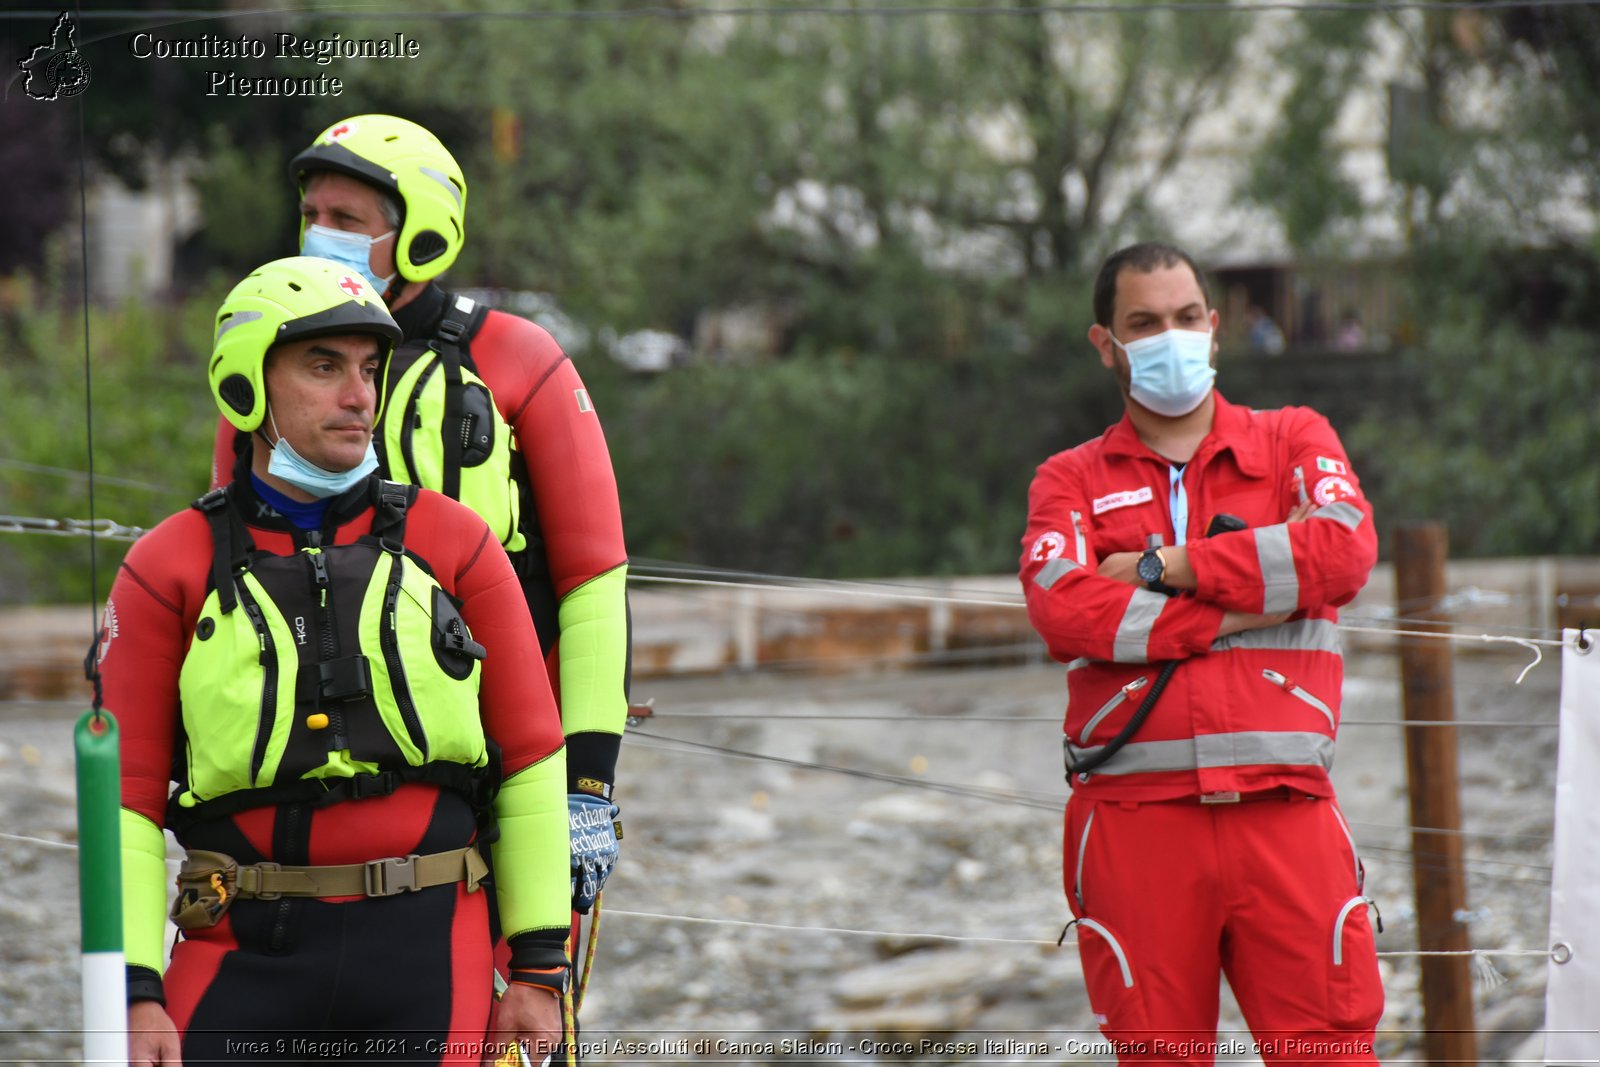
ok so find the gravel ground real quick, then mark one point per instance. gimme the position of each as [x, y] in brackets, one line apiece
[812, 883]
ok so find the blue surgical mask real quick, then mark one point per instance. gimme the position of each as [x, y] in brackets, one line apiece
[1170, 373]
[353, 250]
[301, 473]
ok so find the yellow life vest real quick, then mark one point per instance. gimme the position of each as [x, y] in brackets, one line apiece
[339, 671]
[440, 428]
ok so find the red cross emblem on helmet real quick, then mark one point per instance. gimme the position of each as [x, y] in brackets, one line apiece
[344, 129]
[352, 285]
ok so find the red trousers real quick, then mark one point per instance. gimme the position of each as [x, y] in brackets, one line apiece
[1169, 895]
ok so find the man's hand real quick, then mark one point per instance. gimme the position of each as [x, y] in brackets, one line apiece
[529, 1014]
[152, 1039]
[1124, 567]
[592, 821]
[1301, 510]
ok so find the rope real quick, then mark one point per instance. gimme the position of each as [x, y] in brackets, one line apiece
[1083, 7]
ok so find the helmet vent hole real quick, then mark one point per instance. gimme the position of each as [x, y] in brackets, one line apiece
[237, 392]
[427, 245]
[295, 286]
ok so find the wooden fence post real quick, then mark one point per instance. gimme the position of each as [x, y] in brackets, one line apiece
[1425, 672]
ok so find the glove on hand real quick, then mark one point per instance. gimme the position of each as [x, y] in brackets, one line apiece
[592, 821]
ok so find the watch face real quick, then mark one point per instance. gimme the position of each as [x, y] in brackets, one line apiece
[1150, 567]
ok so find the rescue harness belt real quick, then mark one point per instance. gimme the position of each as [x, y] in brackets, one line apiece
[209, 882]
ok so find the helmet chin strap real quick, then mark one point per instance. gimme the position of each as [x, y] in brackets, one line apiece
[276, 432]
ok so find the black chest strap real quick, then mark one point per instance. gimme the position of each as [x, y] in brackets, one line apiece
[462, 318]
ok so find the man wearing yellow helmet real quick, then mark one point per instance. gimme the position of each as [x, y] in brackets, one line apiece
[384, 196]
[336, 669]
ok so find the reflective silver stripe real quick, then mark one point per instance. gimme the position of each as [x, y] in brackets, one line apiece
[1083, 846]
[1132, 644]
[1340, 512]
[1277, 569]
[1080, 662]
[1053, 572]
[1244, 749]
[1082, 542]
[1116, 949]
[1301, 635]
[1111, 705]
[238, 318]
[1251, 747]
[1338, 928]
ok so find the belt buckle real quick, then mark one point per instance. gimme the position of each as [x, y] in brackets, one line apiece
[1220, 798]
[250, 880]
[391, 875]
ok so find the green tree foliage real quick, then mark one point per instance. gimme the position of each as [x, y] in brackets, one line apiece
[153, 421]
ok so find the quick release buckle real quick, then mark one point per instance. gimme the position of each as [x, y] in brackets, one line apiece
[391, 875]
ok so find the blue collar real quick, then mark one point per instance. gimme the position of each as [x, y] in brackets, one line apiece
[305, 516]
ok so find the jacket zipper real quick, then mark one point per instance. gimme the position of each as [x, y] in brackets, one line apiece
[389, 639]
[1111, 705]
[1294, 690]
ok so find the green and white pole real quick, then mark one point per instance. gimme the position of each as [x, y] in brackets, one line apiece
[105, 989]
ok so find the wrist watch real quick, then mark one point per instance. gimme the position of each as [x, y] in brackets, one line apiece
[1152, 569]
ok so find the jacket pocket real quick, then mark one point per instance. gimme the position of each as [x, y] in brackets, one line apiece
[1299, 693]
[1355, 989]
[1111, 705]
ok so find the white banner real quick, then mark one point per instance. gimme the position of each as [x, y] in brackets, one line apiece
[1572, 990]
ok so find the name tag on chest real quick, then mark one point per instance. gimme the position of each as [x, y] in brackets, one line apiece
[1142, 495]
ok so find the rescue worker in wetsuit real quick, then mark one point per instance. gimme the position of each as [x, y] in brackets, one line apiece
[384, 196]
[339, 673]
[1194, 556]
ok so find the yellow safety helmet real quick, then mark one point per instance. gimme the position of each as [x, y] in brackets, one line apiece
[405, 160]
[288, 300]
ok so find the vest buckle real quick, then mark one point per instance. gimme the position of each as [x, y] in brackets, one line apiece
[391, 875]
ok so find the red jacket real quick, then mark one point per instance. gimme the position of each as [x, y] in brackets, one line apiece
[1247, 712]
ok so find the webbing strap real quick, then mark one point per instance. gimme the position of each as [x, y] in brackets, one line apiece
[454, 334]
[230, 543]
[376, 878]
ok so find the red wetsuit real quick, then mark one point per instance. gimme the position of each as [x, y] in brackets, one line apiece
[1211, 841]
[573, 489]
[417, 963]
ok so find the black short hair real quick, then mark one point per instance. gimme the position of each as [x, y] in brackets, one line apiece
[1144, 257]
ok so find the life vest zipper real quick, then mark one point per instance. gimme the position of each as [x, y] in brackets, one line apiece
[269, 682]
[327, 635]
[389, 639]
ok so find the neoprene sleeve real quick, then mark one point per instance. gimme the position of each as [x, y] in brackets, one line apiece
[594, 654]
[144, 891]
[533, 855]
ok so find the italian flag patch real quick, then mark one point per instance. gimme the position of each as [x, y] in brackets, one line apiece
[1330, 466]
[584, 404]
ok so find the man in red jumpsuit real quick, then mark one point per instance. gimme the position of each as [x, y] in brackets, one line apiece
[338, 672]
[383, 195]
[1202, 836]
